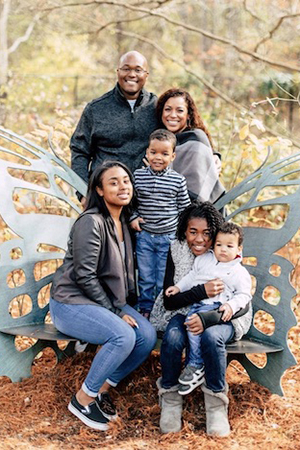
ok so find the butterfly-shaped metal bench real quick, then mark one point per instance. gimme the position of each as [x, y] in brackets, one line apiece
[37, 209]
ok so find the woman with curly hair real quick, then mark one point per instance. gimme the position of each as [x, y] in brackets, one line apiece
[197, 229]
[195, 159]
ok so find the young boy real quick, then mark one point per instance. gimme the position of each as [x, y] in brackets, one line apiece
[224, 263]
[162, 194]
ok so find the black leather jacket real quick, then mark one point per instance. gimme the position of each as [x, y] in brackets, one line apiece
[93, 270]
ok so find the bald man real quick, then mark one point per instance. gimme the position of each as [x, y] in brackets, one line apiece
[117, 125]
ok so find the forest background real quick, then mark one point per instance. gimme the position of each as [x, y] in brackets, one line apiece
[239, 59]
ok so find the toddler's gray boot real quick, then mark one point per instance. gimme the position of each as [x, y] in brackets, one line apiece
[216, 408]
[171, 408]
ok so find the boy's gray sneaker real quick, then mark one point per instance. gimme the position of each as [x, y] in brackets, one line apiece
[190, 378]
[191, 374]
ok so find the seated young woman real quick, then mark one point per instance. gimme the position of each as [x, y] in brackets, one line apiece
[91, 290]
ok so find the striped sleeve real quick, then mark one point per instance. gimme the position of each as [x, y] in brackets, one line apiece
[161, 197]
[183, 199]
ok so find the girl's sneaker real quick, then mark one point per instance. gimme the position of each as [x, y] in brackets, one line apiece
[80, 346]
[90, 415]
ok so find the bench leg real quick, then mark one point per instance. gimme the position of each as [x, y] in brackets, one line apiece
[17, 365]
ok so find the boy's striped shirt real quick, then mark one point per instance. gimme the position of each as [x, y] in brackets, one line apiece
[161, 197]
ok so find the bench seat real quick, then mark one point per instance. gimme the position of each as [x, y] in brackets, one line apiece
[44, 331]
[242, 347]
[48, 332]
[252, 346]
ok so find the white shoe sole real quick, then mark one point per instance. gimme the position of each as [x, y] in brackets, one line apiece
[86, 420]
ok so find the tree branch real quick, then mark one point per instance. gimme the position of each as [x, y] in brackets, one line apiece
[270, 101]
[206, 83]
[191, 28]
[202, 80]
[25, 36]
[274, 29]
[114, 22]
[252, 14]
[284, 90]
[160, 3]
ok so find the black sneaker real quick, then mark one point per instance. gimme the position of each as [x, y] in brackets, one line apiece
[106, 406]
[90, 415]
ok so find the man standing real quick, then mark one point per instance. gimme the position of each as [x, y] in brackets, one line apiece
[117, 125]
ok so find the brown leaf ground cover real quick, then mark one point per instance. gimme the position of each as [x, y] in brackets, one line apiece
[33, 413]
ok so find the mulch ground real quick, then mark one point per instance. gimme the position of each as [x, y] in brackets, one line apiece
[34, 415]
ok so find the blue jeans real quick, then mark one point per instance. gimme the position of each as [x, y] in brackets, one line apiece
[213, 345]
[123, 348]
[195, 353]
[151, 252]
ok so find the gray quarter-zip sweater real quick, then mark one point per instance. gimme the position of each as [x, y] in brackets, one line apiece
[108, 129]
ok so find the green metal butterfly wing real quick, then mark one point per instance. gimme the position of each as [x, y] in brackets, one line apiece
[38, 206]
[271, 198]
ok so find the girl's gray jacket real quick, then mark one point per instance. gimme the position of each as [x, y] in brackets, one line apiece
[94, 271]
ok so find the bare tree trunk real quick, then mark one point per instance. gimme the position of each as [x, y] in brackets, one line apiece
[4, 12]
[119, 39]
[291, 116]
